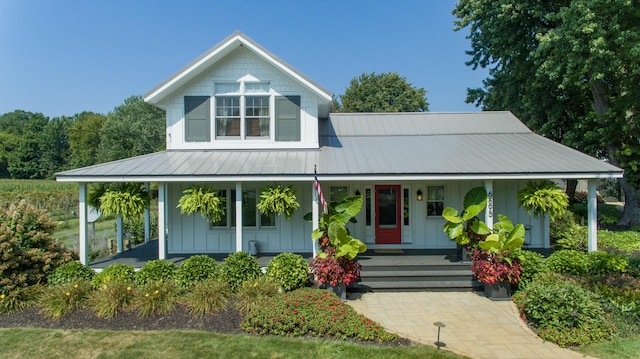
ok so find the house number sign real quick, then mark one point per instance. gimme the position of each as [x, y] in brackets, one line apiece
[490, 204]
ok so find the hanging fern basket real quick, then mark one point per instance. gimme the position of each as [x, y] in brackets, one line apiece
[203, 200]
[278, 200]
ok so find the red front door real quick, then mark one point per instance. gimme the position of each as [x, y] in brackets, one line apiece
[388, 214]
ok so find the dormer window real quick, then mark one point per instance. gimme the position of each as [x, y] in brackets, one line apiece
[242, 110]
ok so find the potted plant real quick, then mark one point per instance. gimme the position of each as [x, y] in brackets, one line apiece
[204, 200]
[497, 259]
[544, 197]
[336, 265]
[466, 229]
[278, 200]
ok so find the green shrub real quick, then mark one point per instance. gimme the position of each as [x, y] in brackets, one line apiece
[207, 297]
[156, 297]
[196, 269]
[70, 272]
[289, 271]
[114, 273]
[314, 312]
[134, 228]
[561, 227]
[602, 263]
[28, 251]
[239, 267]
[568, 262]
[532, 264]
[60, 300]
[563, 311]
[155, 270]
[621, 294]
[111, 298]
[20, 298]
[254, 293]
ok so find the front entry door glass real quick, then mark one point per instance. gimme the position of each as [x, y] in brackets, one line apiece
[388, 214]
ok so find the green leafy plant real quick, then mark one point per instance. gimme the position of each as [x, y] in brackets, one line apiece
[114, 273]
[466, 228]
[127, 200]
[70, 272]
[277, 200]
[601, 263]
[563, 311]
[313, 312]
[196, 269]
[156, 298]
[155, 270]
[208, 297]
[634, 264]
[204, 200]
[20, 298]
[112, 298]
[567, 262]
[289, 271]
[532, 264]
[239, 267]
[254, 293]
[543, 197]
[58, 301]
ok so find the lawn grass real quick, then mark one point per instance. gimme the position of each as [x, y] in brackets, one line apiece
[627, 348]
[19, 343]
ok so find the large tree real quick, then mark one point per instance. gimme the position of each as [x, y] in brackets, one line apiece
[133, 128]
[84, 139]
[386, 92]
[569, 69]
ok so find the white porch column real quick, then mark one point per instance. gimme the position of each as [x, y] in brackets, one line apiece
[239, 217]
[592, 217]
[119, 230]
[315, 215]
[83, 247]
[162, 213]
[147, 219]
[488, 213]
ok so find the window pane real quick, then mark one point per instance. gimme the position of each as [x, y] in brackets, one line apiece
[249, 208]
[367, 207]
[256, 87]
[406, 206]
[387, 208]
[257, 116]
[337, 193]
[228, 116]
[223, 219]
[267, 220]
[222, 88]
[435, 200]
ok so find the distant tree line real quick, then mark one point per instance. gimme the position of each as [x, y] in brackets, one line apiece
[34, 146]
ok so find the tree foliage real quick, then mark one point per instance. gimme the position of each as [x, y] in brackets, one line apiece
[132, 129]
[386, 92]
[569, 69]
[84, 139]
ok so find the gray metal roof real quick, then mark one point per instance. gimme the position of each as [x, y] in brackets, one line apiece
[482, 145]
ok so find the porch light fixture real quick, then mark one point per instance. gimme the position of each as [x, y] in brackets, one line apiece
[358, 192]
[419, 195]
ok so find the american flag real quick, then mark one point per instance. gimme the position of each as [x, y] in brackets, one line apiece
[319, 191]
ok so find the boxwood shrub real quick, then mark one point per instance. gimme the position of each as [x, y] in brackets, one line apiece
[531, 266]
[114, 273]
[289, 271]
[196, 269]
[568, 262]
[563, 311]
[603, 263]
[70, 272]
[239, 267]
[155, 270]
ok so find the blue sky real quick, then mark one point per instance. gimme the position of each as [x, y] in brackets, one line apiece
[63, 57]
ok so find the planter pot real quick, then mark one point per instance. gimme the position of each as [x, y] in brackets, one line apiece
[498, 291]
[340, 290]
[463, 253]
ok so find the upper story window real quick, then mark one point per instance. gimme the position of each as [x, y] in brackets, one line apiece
[242, 111]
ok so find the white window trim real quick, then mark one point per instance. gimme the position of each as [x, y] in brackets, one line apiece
[242, 94]
[426, 199]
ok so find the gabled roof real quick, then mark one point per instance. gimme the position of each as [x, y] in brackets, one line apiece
[217, 53]
[380, 146]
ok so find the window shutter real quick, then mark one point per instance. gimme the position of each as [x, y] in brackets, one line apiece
[287, 118]
[197, 115]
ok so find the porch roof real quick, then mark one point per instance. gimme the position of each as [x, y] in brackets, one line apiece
[389, 146]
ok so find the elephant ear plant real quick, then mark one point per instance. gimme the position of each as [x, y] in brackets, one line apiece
[466, 229]
[336, 263]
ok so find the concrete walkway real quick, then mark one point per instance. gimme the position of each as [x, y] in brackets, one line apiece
[475, 326]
